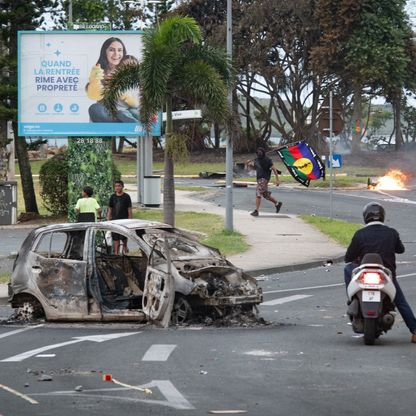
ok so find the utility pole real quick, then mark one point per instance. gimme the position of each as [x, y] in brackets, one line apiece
[229, 148]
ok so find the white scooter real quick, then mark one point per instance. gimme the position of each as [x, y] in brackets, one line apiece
[370, 298]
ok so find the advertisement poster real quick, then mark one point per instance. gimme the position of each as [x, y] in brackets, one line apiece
[61, 76]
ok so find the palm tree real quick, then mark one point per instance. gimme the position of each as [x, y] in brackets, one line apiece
[175, 65]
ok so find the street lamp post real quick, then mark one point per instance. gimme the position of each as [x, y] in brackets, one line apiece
[229, 146]
[144, 149]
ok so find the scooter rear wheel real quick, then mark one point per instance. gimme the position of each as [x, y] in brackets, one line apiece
[369, 331]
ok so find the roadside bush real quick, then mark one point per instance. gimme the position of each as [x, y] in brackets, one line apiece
[53, 178]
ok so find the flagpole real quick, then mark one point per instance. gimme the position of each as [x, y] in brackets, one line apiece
[330, 153]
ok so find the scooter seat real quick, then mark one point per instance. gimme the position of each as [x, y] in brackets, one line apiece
[373, 258]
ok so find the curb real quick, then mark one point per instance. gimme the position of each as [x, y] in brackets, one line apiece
[292, 267]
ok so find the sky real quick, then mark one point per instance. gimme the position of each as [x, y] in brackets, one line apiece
[411, 11]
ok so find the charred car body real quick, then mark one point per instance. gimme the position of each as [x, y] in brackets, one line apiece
[68, 272]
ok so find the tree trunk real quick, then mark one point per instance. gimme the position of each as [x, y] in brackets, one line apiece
[217, 134]
[4, 160]
[397, 121]
[168, 182]
[28, 189]
[356, 132]
[120, 145]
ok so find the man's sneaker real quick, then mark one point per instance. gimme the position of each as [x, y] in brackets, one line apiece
[413, 339]
[278, 206]
[255, 213]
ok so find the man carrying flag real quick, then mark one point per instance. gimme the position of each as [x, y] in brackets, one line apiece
[264, 167]
[302, 162]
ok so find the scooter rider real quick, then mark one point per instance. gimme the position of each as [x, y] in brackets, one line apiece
[376, 237]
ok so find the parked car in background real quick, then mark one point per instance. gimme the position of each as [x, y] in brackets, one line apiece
[68, 272]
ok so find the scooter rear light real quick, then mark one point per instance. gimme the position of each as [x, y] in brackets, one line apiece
[371, 278]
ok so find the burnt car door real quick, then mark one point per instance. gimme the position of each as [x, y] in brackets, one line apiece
[58, 270]
[159, 287]
[117, 280]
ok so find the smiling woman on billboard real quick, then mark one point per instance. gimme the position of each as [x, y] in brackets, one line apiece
[113, 54]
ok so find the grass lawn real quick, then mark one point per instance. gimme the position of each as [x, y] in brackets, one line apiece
[210, 226]
[340, 231]
[4, 277]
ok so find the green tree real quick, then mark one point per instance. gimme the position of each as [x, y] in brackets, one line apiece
[17, 15]
[175, 64]
[271, 45]
[364, 44]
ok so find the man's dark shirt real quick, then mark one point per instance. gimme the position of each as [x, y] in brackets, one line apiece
[119, 205]
[263, 167]
[376, 238]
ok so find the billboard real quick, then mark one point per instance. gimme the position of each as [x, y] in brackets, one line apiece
[60, 81]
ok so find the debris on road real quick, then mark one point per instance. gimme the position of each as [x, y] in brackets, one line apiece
[45, 377]
[109, 377]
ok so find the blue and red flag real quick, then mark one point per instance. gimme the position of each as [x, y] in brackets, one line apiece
[303, 162]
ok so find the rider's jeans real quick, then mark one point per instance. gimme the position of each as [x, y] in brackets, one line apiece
[400, 301]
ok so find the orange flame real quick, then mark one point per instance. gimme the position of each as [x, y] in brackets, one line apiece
[393, 180]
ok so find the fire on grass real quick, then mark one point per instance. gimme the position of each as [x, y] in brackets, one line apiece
[393, 180]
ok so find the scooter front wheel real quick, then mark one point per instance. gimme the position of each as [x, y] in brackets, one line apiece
[369, 331]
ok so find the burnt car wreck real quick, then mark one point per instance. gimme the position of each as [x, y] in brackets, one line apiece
[68, 272]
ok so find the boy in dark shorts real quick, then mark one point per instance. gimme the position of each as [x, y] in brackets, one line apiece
[119, 208]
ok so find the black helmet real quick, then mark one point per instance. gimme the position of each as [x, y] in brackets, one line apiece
[373, 212]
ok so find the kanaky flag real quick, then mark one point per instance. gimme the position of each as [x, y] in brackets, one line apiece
[302, 162]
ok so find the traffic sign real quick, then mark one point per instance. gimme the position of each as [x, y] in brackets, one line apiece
[323, 119]
[336, 161]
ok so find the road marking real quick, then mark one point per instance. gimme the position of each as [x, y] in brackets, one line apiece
[17, 331]
[173, 396]
[45, 355]
[303, 288]
[321, 287]
[18, 394]
[407, 275]
[93, 338]
[284, 300]
[158, 352]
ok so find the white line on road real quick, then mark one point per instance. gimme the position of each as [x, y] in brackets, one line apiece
[173, 396]
[297, 289]
[406, 275]
[158, 352]
[284, 300]
[17, 331]
[18, 394]
[302, 288]
[93, 338]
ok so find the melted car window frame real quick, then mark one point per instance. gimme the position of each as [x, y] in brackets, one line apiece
[72, 248]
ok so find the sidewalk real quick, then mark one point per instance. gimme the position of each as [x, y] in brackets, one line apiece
[278, 242]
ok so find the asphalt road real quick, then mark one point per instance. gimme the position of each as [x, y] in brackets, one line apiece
[307, 362]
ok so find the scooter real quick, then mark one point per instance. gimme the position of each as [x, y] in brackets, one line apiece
[370, 298]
